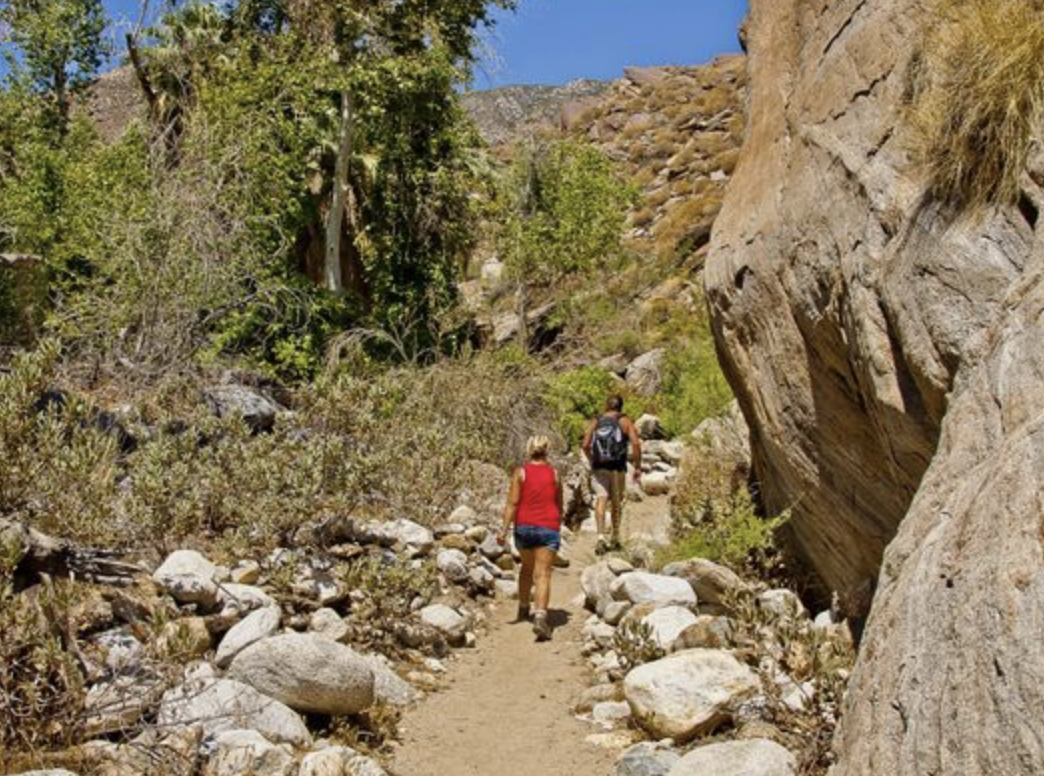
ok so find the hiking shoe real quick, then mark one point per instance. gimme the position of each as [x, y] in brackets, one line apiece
[523, 614]
[541, 627]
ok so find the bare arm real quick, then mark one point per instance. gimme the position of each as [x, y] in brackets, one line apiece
[511, 510]
[588, 435]
[636, 447]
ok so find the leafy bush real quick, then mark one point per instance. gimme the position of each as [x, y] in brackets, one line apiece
[978, 98]
[635, 645]
[579, 395]
[694, 387]
[714, 517]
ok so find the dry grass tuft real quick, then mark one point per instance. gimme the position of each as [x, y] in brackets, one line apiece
[978, 98]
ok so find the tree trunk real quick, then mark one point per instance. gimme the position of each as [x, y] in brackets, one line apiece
[335, 220]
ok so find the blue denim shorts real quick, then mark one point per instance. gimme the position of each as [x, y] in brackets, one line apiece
[533, 537]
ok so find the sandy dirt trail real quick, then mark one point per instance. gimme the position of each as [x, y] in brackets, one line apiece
[507, 707]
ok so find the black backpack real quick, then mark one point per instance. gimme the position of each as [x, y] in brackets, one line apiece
[608, 443]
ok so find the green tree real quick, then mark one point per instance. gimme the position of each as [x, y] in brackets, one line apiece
[565, 209]
[57, 45]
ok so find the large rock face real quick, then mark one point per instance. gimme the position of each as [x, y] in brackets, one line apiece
[887, 356]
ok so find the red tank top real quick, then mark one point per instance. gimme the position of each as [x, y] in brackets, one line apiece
[538, 505]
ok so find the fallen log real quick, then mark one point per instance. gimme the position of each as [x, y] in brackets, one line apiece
[40, 555]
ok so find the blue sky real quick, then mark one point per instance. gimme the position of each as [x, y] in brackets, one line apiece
[555, 41]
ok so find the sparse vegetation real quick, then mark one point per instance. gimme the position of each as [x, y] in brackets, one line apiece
[978, 98]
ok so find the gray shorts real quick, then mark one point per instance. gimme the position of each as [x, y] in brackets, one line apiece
[609, 484]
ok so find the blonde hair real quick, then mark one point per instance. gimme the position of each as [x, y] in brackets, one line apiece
[538, 447]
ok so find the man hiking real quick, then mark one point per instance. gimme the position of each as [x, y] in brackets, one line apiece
[607, 442]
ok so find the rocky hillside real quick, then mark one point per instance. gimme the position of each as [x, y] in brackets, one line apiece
[886, 353]
[504, 114]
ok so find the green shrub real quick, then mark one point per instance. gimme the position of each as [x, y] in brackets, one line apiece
[978, 98]
[694, 387]
[577, 396]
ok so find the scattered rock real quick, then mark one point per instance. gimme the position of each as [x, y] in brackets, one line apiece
[707, 632]
[339, 761]
[444, 619]
[328, 624]
[619, 566]
[481, 580]
[453, 564]
[235, 599]
[256, 626]
[645, 76]
[308, 673]
[647, 759]
[645, 373]
[667, 624]
[757, 757]
[600, 693]
[219, 705]
[491, 548]
[610, 714]
[388, 686]
[649, 428]
[670, 453]
[246, 573]
[507, 588]
[597, 581]
[656, 484]
[188, 577]
[713, 583]
[118, 705]
[689, 693]
[449, 529]
[238, 752]
[464, 515]
[641, 587]
[615, 611]
[782, 603]
[257, 410]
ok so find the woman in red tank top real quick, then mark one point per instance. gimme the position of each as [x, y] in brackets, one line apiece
[534, 508]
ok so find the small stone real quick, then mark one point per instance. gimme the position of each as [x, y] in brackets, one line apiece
[713, 584]
[782, 603]
[328, 624]
[640, 587]
[706, 632]
[339, 761]
[453, 564]
[600, 693]
[256, 626]
[464, 515]
[237, 600]
[388, 686]
[238, 752]
[456, 542]
[667, 624]
[505, 563]
[491, 548]
[649, 427]
[610, 714]
[477, 534]
[619, 566]
[188, 577]
[444, 619]
[656, 484]
[247, 573]
[615, 611]
[481, 580]
[647, 759]
[449, 529]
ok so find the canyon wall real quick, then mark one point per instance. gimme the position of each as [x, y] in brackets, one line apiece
[886, 352]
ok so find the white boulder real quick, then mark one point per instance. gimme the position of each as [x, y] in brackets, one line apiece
[256, 626]
[689, 693]
[444, 619]
[308, 673]
[756, 757]
[188, 577]
[339, 761]
[667, 624]
[453, 564]
[219, 705]
[238, 752]
[641, 587]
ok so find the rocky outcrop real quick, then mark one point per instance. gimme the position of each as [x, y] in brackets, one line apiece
[510, 112]
[885, 351]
